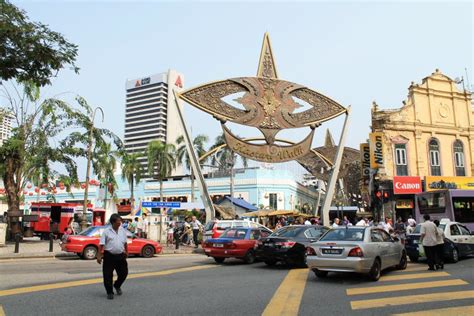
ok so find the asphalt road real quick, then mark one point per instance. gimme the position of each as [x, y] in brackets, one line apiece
[195, 285]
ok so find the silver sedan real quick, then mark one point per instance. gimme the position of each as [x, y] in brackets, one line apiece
[366, 250]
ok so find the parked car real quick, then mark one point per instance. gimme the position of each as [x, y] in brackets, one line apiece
[215, 228]
[86, 244]
[288, 244]
[366, 250]
[458, 242]
[235, 243]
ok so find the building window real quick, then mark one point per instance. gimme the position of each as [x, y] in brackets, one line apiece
[459, 158]
[273, 201]
[401, 159]
[434, 158]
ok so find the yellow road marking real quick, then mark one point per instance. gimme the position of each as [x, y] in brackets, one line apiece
[62, 285]
[458, 311]
[404, 287]
[2, 312]
[286, 300]
[411, 299]
[413, 276]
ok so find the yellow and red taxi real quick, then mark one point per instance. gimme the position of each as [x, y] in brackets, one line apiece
[235, 243]
[86, 244]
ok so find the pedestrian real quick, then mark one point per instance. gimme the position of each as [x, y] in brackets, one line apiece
[362, 222]
[345, 221]
[197, 226]
[336, 222]
[411, 221]
[169, 239]
[113, 249]
[411, 228]
[133, 226]
[428, 239]
[145, 226]
[400, 229]
[439, 246]
[307, 222]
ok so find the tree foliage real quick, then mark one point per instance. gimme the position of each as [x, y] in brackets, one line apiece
[30, 51]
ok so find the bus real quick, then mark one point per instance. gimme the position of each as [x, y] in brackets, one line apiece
[455, 205]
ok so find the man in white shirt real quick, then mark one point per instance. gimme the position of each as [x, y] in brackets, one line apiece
[307, 222]
[196, 225]
[336, 223]
[363, 222]
[113, 248]
[428, 239]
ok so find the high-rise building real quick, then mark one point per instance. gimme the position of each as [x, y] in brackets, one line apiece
[6, 121]
[150, 111]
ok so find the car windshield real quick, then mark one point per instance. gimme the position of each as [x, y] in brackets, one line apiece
[234, 233]
[289, 231]
[87, 231]
[344, 234]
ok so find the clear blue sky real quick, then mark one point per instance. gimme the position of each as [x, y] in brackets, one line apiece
[353, 52]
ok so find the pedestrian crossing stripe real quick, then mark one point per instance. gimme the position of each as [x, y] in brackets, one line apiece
[458, 311]
[413, 276]
[404, 287]
[411, 269]
[411, 299]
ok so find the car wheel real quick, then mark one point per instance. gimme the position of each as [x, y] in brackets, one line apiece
[249, 257]
[403, 262]
[89, 253]
[270, 262]
[413, 259]
[148, 251]
[320, 274]
[219, 259]
[375, 271]
[454, 255]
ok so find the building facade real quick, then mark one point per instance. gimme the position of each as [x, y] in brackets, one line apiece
[432, 134]
[6, 122]
[150, 111]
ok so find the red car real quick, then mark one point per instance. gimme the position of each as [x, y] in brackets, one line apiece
[86, 244]
[235, 243]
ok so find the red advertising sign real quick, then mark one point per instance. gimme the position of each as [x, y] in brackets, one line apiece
[406, 185]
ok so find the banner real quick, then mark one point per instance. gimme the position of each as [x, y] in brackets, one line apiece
[365, 160]
[406, 185]
[376, 150]
[440, 182]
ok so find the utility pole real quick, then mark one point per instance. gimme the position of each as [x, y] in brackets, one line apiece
[88, 170]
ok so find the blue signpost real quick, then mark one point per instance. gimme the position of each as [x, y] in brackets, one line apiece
[162, 204]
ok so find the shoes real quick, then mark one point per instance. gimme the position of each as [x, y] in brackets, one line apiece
[110, 296]
[119, 291]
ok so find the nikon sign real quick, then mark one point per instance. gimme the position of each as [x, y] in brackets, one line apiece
[365, 160]
[376, 150]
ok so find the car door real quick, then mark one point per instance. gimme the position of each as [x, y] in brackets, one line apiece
[393, 248]
[381, 247]
[455, 236]
[466, 239]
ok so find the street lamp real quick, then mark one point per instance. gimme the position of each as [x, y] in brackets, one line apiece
[89, 157]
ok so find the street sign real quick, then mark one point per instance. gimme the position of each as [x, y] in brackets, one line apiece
[162, 204]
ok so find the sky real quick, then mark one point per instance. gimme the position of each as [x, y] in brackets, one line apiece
[354, 52]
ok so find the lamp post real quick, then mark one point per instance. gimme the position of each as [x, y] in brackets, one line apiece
[88, 170]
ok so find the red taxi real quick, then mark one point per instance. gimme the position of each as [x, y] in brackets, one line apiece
[235, 243]
[86, 244]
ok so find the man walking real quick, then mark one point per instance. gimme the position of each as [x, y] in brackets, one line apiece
[196, 228]
[428, 239]
[113, 249]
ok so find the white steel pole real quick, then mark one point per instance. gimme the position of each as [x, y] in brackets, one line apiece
[335, 169]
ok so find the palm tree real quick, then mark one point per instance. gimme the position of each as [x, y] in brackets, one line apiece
[161, 161]
[182, 155]
[132, 171]
[225, 159]
[104, 163]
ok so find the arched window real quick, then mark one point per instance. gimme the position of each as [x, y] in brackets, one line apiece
[435, 162]
[459, 158]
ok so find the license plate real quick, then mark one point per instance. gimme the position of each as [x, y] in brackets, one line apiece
[219, 245]
[331, 251]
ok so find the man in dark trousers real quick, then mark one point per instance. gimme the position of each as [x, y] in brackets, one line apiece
[113, 249]
[428, 238]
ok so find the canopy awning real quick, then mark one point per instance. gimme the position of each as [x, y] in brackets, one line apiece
[260, 213]
[225, 212]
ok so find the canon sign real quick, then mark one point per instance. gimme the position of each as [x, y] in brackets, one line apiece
[406, 185]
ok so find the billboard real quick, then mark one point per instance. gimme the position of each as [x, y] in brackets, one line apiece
[440, 182]
[406, 185]
[376, 150]
[365, 160]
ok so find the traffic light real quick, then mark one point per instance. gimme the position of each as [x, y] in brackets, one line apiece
[386, 196]
[383, 196]
[378, 195]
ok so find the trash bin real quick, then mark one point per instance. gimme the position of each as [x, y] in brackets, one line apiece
[3, 233]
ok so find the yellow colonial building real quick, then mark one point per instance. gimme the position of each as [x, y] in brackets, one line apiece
[432, 134]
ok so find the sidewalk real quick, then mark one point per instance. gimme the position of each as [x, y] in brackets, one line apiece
[36, 248]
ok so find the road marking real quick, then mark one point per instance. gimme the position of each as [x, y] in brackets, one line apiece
[45, 287]
[411, 268]
[412, 299]
[404, 287]
[413, 276]
[287, 299]
[458, 311]
[2, 312]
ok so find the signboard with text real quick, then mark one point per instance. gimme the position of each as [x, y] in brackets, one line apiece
[365, 160]
[376, 150]
[440, 182]
[406, 185]
[162, 204]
